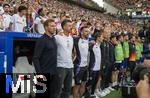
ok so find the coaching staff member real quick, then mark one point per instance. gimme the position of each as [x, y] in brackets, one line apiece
[64, 42]
[45, 54]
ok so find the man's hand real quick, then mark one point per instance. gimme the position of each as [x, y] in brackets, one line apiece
[143, 88]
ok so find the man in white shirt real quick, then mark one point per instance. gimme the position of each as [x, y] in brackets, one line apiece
[18, 21]
[1, 7]
[6, 17]
[81, 47]
[1, 15]
[64, 61]
[39, 20]
[94, 67]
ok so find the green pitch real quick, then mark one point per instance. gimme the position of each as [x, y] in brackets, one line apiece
[114, 94]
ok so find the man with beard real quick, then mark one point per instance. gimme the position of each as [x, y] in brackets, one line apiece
[81, 45]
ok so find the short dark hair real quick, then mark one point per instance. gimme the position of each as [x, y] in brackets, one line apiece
[83, 28]
[64, 22]
[83, 20]
[47, 22]
[125, 34]
[112, 36]
[89, 24]
[39, 11]
[97, 34]
[21, 8]
[6, 4]
[131, 36]
[119, 36]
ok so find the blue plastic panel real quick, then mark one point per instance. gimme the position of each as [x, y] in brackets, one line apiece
[1, 62]
[6, 44]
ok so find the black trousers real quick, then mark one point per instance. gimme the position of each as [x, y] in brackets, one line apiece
[94, 76]
[132, 65]
[52, 87]
[63, 82]
[106, 77]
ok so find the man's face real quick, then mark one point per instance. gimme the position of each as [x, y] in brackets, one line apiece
[126, 38]
[108, 35]
[86, 32]
[83, 23]
[11, 9]
[68, 27]
[24, 12]
[1, 1]
[139, 40]
[133, 39]
[114, 40]
[121, 38]
[68, 17]
[100, 38]
[45, 11]
[105, 35]
[51, 27]
[6, 9]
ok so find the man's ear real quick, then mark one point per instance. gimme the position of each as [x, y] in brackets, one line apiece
[146, 78]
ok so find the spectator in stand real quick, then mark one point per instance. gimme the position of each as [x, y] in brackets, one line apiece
[1, 15]
[74, 30]
[69, 11]
[1, 6]
[18, 21]
[30, 22]
[39, 20]
[12, 11]
[6, 17]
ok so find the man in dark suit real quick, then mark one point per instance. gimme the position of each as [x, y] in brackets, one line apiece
[45, 54]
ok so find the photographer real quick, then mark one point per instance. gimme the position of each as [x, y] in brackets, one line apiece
[143, 88]
[143, 77]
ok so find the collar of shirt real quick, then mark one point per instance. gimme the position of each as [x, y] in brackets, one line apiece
[66, 35]
[52, 36]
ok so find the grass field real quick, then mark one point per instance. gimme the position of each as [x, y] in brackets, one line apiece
[114, 94]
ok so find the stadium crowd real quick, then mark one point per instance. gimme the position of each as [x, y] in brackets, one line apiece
[113, 45]
[67, 10]
[123, 4]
